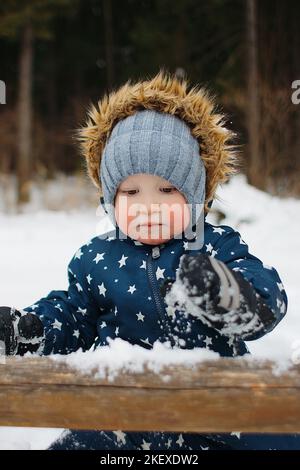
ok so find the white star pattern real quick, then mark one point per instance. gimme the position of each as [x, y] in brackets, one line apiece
[160, 273]
[121, 436]
[57, 324]
[132, 289]
[280, 285]
[237, 434]
[78, 254]
[207, 341]
[140, 316]
[117, 331]
[213, 253]
[83, 311]
[102, 289]
[76, 333]
[143, 265]
[103, 325]
[122, 261]
[180, 440]
[168, 444]
[89, 278]
[209, 247]
[218, 230]
[145, 445]
[186, 245]
[99, 257]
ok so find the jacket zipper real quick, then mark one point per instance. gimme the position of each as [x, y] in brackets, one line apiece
[155, 254]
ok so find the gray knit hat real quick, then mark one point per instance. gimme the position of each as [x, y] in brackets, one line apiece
[159, 144]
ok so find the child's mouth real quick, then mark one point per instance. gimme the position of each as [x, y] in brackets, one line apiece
[149, 224]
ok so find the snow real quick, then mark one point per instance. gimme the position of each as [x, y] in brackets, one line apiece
[36, 246]
[108, 361]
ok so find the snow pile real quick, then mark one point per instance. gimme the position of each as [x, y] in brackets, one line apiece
[27, 438]
[108, 361]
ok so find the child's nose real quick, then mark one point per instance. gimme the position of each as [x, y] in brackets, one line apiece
[149, 206]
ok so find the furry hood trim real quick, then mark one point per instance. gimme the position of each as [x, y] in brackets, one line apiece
[165, 93]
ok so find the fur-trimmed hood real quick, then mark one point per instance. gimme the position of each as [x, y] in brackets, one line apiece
[168, 94]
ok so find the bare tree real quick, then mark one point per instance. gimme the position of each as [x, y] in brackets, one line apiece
[109, 43]
[25, 114]
[255, 167]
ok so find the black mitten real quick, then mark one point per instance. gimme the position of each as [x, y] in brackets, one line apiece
[222, 298]
[20, 331]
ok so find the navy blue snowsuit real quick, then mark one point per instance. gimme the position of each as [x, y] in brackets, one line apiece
[114, 292]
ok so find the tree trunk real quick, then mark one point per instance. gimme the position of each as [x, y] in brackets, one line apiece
[180, 47]
[109, 49]
[25, 115]
[254, 168]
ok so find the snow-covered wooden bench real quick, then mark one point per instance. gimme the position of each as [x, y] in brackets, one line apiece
[224, 395]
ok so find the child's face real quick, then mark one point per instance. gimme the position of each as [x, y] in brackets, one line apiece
[150, 209]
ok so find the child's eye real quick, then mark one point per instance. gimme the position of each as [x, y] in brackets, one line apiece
[168, 190]
[130, 192]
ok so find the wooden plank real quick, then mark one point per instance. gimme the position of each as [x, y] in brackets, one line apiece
[212, 396]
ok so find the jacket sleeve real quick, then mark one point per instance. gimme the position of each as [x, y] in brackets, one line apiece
[234, 252]
[69, 317]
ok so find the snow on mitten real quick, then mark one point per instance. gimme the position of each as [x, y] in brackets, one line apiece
[221, 298]
[20, 331]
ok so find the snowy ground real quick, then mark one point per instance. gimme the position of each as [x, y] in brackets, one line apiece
[35, 248]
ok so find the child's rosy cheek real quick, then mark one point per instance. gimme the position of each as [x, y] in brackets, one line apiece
[172, 219]
[129, 218]
[179, 218]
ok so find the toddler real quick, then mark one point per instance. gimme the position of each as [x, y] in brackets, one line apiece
[157, 151]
